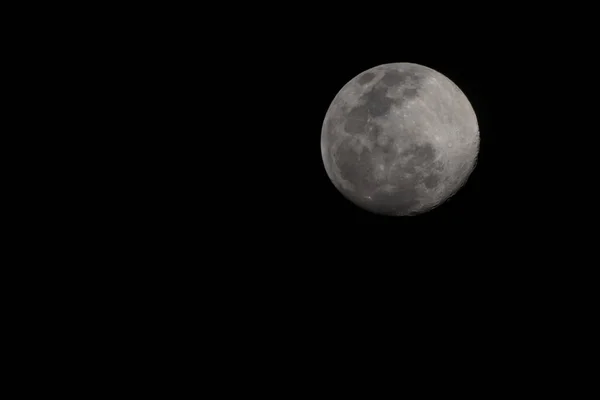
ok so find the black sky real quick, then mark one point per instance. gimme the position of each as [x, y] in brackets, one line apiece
[523, 94]
[212, 211]
[238, 188]
[528, 82]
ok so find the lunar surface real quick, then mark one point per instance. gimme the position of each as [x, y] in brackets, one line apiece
[399, 139]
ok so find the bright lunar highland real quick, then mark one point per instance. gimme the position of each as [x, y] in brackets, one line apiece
[399, 139]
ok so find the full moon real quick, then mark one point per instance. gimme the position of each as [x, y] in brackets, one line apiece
[399, 139]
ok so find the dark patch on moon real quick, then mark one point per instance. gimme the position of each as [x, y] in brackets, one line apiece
[355, 126]
[360, 112]
[394, 77]
[374, 103]
[431, 181]
[356, 168]
[356, 120]
[373, 131]
[420, 155]
[365, 78]
[388, 150]
[409, 93]
[377, 101]
[423, 152]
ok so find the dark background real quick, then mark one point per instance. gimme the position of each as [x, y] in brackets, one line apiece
[277, 229]
[212, 120]
[514, 83]
[253, 144]
[178, 203]
[208, 202]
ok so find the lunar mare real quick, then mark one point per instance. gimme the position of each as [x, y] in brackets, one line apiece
[399, 139]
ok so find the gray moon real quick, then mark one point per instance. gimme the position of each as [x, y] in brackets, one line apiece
[399, 139]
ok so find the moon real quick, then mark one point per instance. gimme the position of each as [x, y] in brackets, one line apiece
[399, 139]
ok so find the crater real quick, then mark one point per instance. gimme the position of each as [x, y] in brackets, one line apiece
[431, 181]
